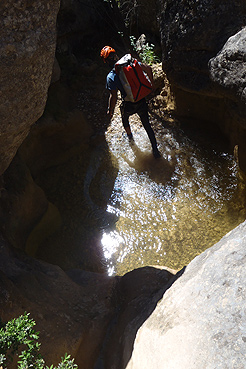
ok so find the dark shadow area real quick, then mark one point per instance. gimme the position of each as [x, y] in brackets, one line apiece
[137, 295]
[80, 189]
[206, 135]
[68, 158]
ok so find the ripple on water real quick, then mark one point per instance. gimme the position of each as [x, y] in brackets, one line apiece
[171, 209]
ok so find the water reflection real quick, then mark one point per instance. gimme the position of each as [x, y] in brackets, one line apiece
[160, 171]
[171, 209]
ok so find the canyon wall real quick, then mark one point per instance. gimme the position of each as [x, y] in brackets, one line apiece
[27, 49]
[77, 312]
[92, 316]
[204, 59]
[40, 123]
[199, 322]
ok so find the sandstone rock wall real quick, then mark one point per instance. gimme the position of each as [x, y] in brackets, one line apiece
[200, 321]
[27, 48]
[194, 319]
[204, 59]
[227, 72]
[193, 32]
[28, 66]
[71, 317]
[77, 312]
[142, 16]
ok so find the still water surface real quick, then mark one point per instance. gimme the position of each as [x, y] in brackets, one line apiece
[171, 209]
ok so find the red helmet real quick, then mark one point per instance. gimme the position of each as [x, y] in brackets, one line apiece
[106, 51]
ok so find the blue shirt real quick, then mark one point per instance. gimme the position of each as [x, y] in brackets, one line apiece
[113, 83]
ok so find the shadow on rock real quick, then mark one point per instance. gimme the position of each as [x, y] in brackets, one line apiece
[136, 297]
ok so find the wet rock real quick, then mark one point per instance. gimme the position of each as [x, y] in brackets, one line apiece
[199, 323]
[27, 47]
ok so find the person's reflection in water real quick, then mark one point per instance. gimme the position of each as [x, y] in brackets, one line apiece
[159, 171]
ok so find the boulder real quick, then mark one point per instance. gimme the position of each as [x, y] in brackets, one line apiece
[193, 32]
[137, 294]
[204, 60]
[227, 69]
[200, 321]
[27, 48]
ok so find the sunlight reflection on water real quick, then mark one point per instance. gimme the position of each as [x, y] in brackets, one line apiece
[171, 209]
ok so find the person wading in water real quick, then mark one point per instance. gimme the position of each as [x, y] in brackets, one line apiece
[128, 108]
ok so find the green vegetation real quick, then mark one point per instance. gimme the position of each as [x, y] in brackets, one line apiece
[19, 339]
[129, 12]
[146, 54]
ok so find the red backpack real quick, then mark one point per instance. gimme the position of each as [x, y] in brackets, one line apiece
[135, 82]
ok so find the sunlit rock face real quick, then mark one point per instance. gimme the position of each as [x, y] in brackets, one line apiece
[227, 71]
[192, 33]
[227, 68]
[27, 47]
[202, 45]
[200, 321]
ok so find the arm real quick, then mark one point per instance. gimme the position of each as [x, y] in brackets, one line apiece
[111, 102]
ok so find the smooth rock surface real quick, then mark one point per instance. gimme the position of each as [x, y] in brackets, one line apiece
[203, 56]
[89, 315]
[201, 320]
[227, 68]
[27, 48]
[193, 32]
[71, 316]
